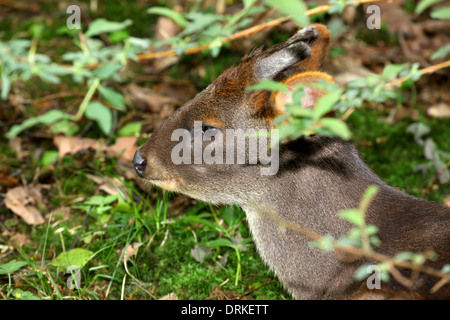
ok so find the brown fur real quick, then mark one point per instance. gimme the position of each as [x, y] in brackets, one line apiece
[317, 177]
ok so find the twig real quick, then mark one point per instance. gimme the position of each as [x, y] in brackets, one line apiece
[430, 185]
[439, 285]
[252, 290]
[426, 70]
[358, 252]
[399, 277]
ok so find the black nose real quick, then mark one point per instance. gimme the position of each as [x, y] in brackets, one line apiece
[139, 163]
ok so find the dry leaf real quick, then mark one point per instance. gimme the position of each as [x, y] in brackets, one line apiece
[4, 248]
[125, 148]
[447, 200]
[15, 144]
[148, 100]
[72, 145]
[22, 200]
[109, 185]
[403, 112]
[20, 239]
[131, 250]
[440, 110]
[170, 296]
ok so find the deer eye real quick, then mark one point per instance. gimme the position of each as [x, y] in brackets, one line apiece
[210, 132]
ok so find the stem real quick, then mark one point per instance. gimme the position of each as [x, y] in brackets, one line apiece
[87, 98]
[357, 252]
[426, 70]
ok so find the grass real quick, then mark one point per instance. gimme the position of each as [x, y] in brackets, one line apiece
[163, 264]
[393, 154]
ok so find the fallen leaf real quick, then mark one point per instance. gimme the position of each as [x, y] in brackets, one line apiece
[169, 296]
[131, 250]
[125, 148]
[4, 248]
[200, 252]
[148, 100]
[20, 239]
[447, 200]
[22, 200]
[403, 112]
[15, 144]
[440, 110]
[72, 145]
[110, 185]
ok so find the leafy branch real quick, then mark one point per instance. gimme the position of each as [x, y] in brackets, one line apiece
[359, 241]
[254, 29]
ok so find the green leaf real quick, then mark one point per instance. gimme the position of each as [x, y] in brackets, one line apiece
[75, 257]
[355, 236]
[424, 5]
[296, 9]
[441, 13]
[270, 85]
[101, 200]
[119, 36]
[101, 114]
[404, 256]
[371, 229]
[65, 127]
[325, 104]
[102, 25]
[112, 96]
[392, 70]
[441, 53]
[248, 3]
[49, 157]
[46, 119]
[107, 70]
[230, 215]
[370, 192]
[205, 222]
[51, 116]
[325, 243]
[418, 258]
[19, 47]
[130, 129]
[24, 295]
[353, 216]
[337, 127]
[202, 22]
[171, 14]
[362, 273]
[11, 266]
[222, 242]
[446, 268]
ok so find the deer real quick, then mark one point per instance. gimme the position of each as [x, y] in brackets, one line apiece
[316, 177]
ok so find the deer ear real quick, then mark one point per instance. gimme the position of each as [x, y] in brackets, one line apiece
[271, 62]
[306, 50]
[279, 99]
[319, 50]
